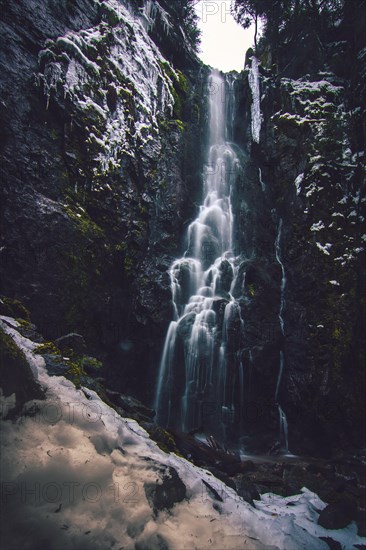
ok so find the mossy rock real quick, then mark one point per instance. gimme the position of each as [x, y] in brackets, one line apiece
[79, 367]
[48, 348]
[12, 307]
[163, 438]
[15, 373]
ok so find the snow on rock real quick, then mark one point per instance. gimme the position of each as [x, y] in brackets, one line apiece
[315, 109]
[303, 510]
[117, 80]
[324, 248]
[77, 475]
[317, 226]
[298, 182]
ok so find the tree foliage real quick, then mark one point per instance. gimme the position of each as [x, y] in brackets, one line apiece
[190, 22]
[295, 32]
[185, 13]
[278, 15]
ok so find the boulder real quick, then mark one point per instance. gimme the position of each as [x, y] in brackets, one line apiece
[339, 514]
[72, 341]
[167, 491]
[55, 365]
[246, 489]
[16, 376]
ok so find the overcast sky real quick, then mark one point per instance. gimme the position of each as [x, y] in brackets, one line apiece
[223, 41]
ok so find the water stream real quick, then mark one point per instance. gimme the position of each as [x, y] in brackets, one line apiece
[197, 382]
[201, 381]
[282, 416]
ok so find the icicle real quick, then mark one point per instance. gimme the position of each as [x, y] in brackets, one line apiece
[256, 105]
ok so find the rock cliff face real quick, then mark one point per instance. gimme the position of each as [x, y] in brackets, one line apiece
[101, 144]
[305, 179]
[103, 128]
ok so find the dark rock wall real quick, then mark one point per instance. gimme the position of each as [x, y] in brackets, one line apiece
[101, 159]
[311, 157]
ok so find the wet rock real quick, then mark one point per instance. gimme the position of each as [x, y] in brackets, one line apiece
[361, 522]
[132, 407]
[73, 341]
[16, 375]
[295, 478]
[10, 307]
[167, 491]
[155, 542]
[222, 476]
[55, 365]
[333, 544]
[162, 437]
[184, 327]
[338, 515]
[212, 491]
[246, 489]
[225, 277]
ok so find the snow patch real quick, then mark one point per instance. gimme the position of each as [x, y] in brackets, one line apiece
[317, 226]
[324, 248]
[74, 467]
[298, 182]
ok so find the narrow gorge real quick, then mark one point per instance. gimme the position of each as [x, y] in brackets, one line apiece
[183, 256]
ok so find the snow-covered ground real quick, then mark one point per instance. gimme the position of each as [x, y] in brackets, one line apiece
[74, 475]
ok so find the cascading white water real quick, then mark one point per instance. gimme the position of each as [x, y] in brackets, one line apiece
[283, 278]
[201, 285]
[282, 415]
[263, 185]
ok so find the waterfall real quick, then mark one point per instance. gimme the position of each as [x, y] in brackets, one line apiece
[283, 278]
[263, 185]
[200, 382]
[282, 416]
[256, 99]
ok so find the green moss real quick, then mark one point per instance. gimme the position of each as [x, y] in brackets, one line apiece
[163, 185]
[128, 265]
[15, 373]
[47, 348]
[91, 363]
[167, 69]
[143, 210]
[75, 372]
[179, 88]
[23, 323]
[180, 125]
[9, 349]
[182, 81]
[167, 125]
[111, 16]
[251, 290]
[83, 221]
[78, 366]
[164, 440]
[120, 247]
[178, 105]
[12, 307]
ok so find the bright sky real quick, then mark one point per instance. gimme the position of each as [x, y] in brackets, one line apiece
[223, 41]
